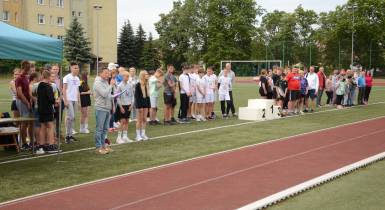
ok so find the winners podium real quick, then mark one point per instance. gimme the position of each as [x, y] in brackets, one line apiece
[260, 110]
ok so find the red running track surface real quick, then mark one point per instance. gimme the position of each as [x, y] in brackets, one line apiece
[228, 180]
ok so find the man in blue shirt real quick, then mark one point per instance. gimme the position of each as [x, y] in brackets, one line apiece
[361, 88]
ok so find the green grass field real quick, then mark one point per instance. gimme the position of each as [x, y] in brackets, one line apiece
[48, 173]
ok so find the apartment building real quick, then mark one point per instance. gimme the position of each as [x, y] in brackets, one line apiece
[52, 18]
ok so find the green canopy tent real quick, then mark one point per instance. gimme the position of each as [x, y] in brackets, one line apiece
[19, 44]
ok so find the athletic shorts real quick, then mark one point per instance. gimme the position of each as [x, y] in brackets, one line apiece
[224, 97]
[210, 98]
[45, 118]
[294, 95]
[201, 100]
[169, 99]
[154, 102]
[13, 106]
[23, 109]
[125, 115]
[311, 94]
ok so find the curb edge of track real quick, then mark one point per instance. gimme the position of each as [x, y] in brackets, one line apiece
[312, 183]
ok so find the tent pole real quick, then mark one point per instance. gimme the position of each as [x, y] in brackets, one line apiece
[60, 110]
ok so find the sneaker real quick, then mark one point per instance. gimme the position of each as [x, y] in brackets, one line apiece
[157, 122]
[139, 138]
[25, 147]
[52, 149]
[152, 123]
[106, 141]
[73, 139]
[84, 131]
[127, 140]
[198, 119]
[40, 151]
[68, 140]
[120, 140]
[101, 151]
[74, 132]
[144, 137]
[224, 116]
[235, 115]
[167, 122]
[305, 111]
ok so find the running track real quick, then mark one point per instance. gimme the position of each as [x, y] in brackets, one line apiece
[228, 180]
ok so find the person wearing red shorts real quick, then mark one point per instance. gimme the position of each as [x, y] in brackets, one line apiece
[294, 87]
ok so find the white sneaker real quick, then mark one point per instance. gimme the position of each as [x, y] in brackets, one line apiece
[139, 138]
[74, 132]
[40, 151]
[119, 140]
[144, 137]
[127, 140]
[84, 131]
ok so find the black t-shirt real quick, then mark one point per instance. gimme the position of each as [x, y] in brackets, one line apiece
[276, 78]
[264, 80]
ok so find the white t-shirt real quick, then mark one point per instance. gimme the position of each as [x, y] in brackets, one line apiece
[210, 83]
[73, 83]
[193, 79]
[201, 85]
[184, 82]
[225, 86]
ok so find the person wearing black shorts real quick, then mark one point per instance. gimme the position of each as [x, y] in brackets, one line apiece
[46, 101]
[124, 108]
[85, 102]
[142, 104]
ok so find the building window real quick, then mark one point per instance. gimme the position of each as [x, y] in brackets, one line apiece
[79, 14]
[6, 15]
[40, 2]
[60, 21]
[60, 3]
[41, 19]
[73, 13]
[60, 37]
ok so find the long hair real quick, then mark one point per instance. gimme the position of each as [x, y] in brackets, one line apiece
[84, 85]
[144, 83]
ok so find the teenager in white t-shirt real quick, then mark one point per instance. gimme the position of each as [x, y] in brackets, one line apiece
[71, 84]
[223, 93]
[201, 88]
[193, 100]
[211, 86]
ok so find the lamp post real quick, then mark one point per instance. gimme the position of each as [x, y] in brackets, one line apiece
[353, 7]
[97, 8]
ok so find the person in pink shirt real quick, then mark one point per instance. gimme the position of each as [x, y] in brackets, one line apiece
[368, 87]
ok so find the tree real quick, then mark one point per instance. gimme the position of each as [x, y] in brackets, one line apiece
[126, 46]
[150, 57]
[140, 40]
[76, 46]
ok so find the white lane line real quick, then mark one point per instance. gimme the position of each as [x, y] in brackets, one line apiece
[246, 169]
[104, 180]
[188, 132]
[284, 194]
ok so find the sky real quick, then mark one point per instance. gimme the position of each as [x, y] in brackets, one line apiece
[146, 12]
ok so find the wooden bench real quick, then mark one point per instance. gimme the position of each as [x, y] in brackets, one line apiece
[11, 132]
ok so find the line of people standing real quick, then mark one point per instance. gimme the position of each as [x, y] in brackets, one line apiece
[299, 92]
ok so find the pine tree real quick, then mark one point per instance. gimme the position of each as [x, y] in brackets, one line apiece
[126, 46]
[76, 45]
[140, 40]
[150, 57]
